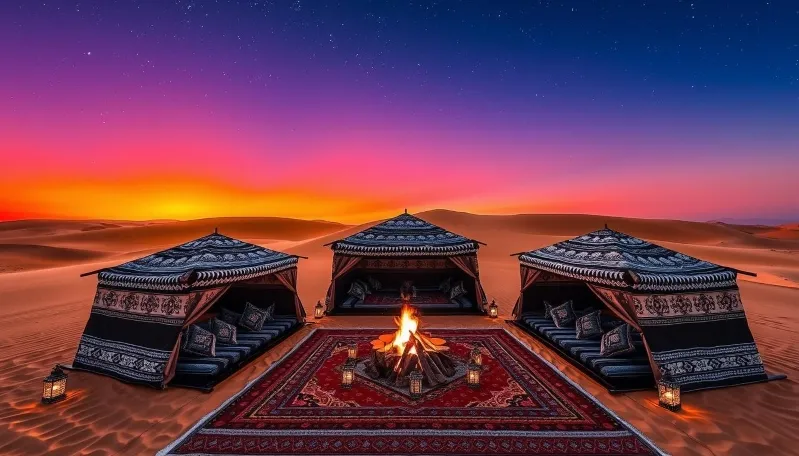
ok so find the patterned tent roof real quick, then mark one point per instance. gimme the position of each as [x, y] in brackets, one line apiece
[605, 256]
[405, 234]
[215, 259]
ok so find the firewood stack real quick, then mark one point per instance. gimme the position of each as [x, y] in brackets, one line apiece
[420, 352]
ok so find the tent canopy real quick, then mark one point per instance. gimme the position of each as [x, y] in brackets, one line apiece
[405, 235]
[689, 311]
[141, 307]
[209, 261]
[610, 258]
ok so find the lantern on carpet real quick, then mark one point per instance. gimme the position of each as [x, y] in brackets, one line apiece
[415, 384]
[347, 374]
[476, 356]
[493, 310]
[669, 393]
[352, 351]
[473, 375]
[55, 386]
[319, 310]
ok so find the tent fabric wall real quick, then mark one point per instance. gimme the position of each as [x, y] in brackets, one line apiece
[528, 277]
[468, 264]
[342, 264]
[288, 277]
[131, 335]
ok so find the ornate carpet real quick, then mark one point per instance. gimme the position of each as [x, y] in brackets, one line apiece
[523, 406]
[394, 299]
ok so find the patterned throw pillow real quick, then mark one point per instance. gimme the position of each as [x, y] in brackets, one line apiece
[270, 313]
[563, 315]
[445, 285]
[457, 290]
[589, 326]
[356, 289]
[225, 332]
[228, 316]
[374, 283]
[253, 318]
[617, 341]
[364, 285]
[198, 341]
[547, 310]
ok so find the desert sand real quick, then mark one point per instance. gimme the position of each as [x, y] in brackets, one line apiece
[44, 305]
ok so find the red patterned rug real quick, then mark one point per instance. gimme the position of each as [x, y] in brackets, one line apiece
[523, 406]
[394, 299]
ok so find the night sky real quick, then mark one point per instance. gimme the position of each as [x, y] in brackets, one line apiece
[354, 110]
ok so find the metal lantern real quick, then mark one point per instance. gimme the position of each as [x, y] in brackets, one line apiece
[319, 310]
[352, 350]
[493, 310]
[347, 374]
[55, 386]
[473, 375]
[415, 384]
[476, 356]
[669, 393]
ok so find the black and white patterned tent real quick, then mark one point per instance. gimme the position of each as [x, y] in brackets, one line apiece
[405, 235]
[689, 311]
[141, 307]
[405, 243]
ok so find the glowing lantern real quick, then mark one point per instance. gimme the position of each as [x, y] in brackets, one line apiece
[669, 393]
[319, 310]
[347, 374]
[352, 350]
[476, 356]
[55, 386]
[493, 310]
[473, 375]
[415, 385]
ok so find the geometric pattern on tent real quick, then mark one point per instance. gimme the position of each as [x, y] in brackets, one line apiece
[406, 235]
[610, 258]
[689, 311]
[215, 259]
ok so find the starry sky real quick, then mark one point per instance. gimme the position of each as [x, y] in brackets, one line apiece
[356, 109]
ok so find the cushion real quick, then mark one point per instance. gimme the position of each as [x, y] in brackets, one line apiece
[547, 310]
[589, 326]
[365, 285]
[228, 316]
[253, 318]
[445, 285]
[374, 283]
[563, 315]
[225, 332]
[270, 313]
[357, 290]
[617, 341]
[198, 341]
[457, 290]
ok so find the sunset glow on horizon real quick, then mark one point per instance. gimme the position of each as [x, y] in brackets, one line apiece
[185, 110]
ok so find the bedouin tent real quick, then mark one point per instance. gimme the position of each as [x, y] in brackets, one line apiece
[141, 307]
[406, 247]
[689, 311]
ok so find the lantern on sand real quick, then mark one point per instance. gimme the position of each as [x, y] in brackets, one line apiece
[55, 386]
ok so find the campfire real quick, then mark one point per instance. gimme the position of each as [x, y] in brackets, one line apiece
[395, 355]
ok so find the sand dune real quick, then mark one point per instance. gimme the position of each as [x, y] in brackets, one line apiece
[43, 311]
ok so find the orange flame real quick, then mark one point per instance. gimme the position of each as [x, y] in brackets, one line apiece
[408, 323]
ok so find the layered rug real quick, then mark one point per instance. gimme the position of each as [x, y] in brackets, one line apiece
[523, 406]
[394, 299]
